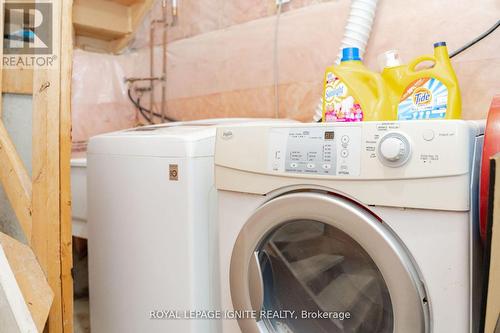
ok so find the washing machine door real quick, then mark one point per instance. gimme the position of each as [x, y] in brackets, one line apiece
[315, 262]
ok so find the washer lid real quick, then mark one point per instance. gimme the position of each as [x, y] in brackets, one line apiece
[177, 139]
[317, 253]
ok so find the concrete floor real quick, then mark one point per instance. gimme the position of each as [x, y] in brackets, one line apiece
[81, 316]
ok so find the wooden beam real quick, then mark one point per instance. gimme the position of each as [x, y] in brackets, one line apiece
[101, 19]
[30, 278]
[46, 231]
[137, 13]
[16, 181]
[92, 44]
[127, 2]
[17, 81]
[65, 166]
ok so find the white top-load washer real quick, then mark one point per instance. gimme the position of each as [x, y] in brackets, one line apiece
[150, 197]
[348, 227]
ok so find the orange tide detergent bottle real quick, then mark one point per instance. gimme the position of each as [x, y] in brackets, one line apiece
[429, 93]
[354, 93]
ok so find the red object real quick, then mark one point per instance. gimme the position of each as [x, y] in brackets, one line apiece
[491, 147]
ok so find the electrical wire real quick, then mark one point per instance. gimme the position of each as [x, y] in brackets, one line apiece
[276, 62]
[475, 40]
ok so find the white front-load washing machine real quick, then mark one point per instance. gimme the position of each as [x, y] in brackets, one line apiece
[348, 227]
[151, 241]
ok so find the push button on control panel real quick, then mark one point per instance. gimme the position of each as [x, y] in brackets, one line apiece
[428, 135]
[315, 150]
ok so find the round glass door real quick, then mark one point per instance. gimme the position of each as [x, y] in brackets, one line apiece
[325, 277]
[315, 263]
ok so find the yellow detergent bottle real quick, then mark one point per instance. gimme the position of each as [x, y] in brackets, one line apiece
[352, 92]
[429, 93]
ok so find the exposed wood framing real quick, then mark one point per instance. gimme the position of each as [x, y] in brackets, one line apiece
[136, 15]
[16, 181]
[13, 175]
[45, 198]
[18, 81]
[107, 26]
[51, 225]
[65, 167]
[93, 44]
[31, 280]
[104, 19]
[127, 2]
[15, 316]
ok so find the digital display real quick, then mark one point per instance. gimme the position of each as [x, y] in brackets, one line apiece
[329, 135]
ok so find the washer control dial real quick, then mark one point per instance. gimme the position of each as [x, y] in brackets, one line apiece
[394, 149]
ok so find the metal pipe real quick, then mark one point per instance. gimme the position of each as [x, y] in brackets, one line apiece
[151, 67]
[164, 64]
[137, 79]
[174, 12]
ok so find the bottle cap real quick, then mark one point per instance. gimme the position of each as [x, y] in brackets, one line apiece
[350, 53]
[389, 59]
[439, 44]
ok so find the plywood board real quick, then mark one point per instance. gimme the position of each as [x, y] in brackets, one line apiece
[30, 278]
[14, 314]
[101, 19]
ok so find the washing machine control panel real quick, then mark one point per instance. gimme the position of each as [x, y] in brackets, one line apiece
[334, 151]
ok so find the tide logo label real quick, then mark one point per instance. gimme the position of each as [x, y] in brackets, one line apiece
[422, 96]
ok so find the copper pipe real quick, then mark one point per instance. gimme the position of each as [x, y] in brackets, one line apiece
[151, 68]
[164, 64]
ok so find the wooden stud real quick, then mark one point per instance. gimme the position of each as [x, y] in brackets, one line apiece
[46, 231]
[65, 166]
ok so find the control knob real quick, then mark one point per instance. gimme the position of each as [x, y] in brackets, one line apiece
[394, 149]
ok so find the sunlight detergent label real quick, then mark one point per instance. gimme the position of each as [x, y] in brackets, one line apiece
[339, 105]
[425, 98]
